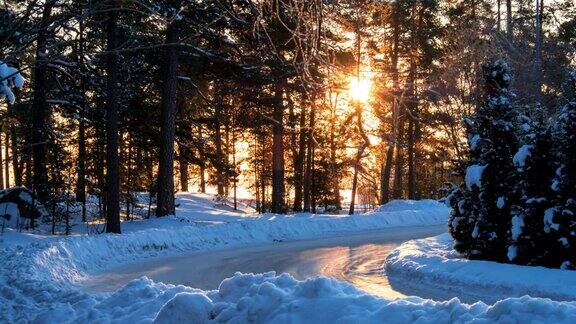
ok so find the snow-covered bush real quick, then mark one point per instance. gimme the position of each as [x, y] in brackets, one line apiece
[9, 78]
[481, 215]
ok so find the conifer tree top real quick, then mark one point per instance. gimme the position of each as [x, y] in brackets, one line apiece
[497, 76]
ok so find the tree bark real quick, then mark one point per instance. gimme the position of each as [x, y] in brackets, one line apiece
[387, 167]
[298, 152]
[183, 164]
[385, 175]
[40, 113]
[16, 165]
[219, 149]
[334, 175]
[278, 150]
[165, 204]
[399, 163]
[509, 21]
[235, 177]
[202, 165]
[7, 155]
[112, 160]
[359, 154]
[538, 54]
[411, 152]
[308, 175]
[1, 164]
[81, 182]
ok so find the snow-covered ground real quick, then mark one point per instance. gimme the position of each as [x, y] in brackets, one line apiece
[431, 266]
[39, 274]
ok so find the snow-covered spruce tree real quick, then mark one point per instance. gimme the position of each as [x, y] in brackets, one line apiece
[560, 220]
[535, 166]
[481, 223]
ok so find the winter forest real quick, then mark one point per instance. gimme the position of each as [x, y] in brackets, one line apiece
[198, 125]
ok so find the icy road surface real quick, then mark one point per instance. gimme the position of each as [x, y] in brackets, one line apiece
[357, 259]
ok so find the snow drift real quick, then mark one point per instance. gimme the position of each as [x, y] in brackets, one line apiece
[433, 264]
[281, 299]
[41, 276]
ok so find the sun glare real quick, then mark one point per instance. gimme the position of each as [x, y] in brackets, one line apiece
[360, 89]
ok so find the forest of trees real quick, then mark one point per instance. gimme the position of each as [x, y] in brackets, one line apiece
[128, 96]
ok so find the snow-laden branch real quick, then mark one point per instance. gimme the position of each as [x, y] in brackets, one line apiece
[9, 78]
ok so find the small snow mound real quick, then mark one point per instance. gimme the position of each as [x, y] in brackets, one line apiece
[193, 308]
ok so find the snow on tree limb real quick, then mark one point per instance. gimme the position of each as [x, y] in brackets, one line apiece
[9, 78]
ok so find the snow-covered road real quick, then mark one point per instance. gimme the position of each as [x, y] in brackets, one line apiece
[356, 258]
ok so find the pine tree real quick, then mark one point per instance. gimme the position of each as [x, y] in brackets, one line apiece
[560, 220]
[529, 244]
[487, 194]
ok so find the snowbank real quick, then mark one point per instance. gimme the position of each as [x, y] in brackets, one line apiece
[431, 264]
[281, 299]
[41, 274]
[267, 298]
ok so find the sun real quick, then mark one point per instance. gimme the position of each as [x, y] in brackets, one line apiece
[360, 89]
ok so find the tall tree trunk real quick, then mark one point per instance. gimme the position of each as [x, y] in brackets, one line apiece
[112, 160]
[183, 164]
[7, 155]
[308, 175]
[387, 167]
[298, 152]
[261, 163]
[412, 116]
[355, 183]
[538, 54]
[278, 150]
[359, 154]
[509, 21]
[385, 175]
[235, 177]
[220, 178]
[334, 174]
[399, 163]
[165, 204]
[257, 178]
[498, 15]
[40, 108]
[1, 164]
[411, 152]
[81, 182]
[17, 166]
[202, 165]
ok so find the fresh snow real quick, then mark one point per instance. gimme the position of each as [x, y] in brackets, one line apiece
[517, 225]
[501, 202]
[39, 275]
[281, 299]
[474, 176]
[523, 153]
[433, 264]
[9, 77]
